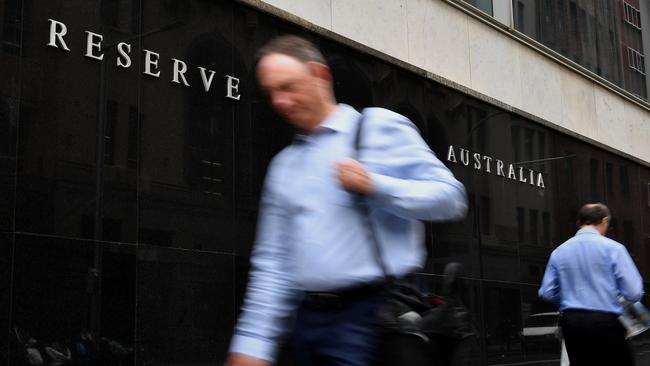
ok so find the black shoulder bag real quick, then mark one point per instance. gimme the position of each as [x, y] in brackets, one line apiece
[418, 329]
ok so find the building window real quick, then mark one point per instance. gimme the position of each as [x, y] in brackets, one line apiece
[635, 60]
[520, 15]
[483, 5]
[591, 33]
[632, 15]
[211, 177]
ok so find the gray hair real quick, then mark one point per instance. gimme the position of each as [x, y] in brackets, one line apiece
[293, 46]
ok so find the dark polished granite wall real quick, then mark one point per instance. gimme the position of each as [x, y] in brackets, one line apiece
[128, 201]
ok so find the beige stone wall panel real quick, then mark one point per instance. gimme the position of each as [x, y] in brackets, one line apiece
[464, 52]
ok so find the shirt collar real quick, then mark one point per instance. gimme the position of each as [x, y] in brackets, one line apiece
[587, 230]
[341, 120]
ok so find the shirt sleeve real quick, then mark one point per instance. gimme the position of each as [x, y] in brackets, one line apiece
[409, 180]
[628, 279]
[550, 289]
[271, 293]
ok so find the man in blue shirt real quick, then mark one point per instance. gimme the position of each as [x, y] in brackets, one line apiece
[586, 276]
[313, 264]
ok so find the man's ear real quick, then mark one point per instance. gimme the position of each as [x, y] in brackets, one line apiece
[321, 71]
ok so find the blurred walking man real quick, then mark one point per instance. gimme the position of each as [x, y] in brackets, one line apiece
[313, 258]
[586, 276]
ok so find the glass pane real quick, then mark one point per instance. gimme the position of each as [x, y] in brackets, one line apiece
[594, 34]
[484, 5]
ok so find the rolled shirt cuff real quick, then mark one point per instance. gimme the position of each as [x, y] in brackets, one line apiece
[253, 347]
[381, 188]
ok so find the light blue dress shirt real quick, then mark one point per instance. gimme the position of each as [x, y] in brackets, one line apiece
[590, 272]
[311, 235]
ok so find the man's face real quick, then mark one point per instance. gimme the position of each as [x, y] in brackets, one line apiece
[293, 89]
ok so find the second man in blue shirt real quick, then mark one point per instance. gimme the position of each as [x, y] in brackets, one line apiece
[586, 276]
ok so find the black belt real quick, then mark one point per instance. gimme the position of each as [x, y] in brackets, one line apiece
[595, 315]
[589, 312]
[338, 298]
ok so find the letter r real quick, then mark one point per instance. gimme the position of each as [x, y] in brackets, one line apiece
[57, 31]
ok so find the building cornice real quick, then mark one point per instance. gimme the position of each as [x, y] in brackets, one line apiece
[475, 13]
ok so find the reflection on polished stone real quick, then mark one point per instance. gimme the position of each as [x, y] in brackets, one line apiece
[186, 160]
[74, 299]
[540, 334]
[7, 161]
[185, 305]
[464, 294]
[9, 108]
[68, 183]
[6, 246]
[502, 322]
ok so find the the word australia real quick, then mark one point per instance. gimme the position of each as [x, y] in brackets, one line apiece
[58, 31]
[495, 166]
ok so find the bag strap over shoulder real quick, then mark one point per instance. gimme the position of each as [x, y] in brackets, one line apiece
[365, 209]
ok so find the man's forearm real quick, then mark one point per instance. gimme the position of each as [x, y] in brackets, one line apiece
[239, 359]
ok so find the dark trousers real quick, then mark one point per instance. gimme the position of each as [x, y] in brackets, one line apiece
[595, 338]
[333, 333]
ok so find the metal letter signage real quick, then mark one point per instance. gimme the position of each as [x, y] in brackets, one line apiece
[124, 60]
[57, 35]
[94, 42]
[510, 171]
[95, 50]
[232, 86]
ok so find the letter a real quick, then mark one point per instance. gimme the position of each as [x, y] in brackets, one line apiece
[451, 156]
